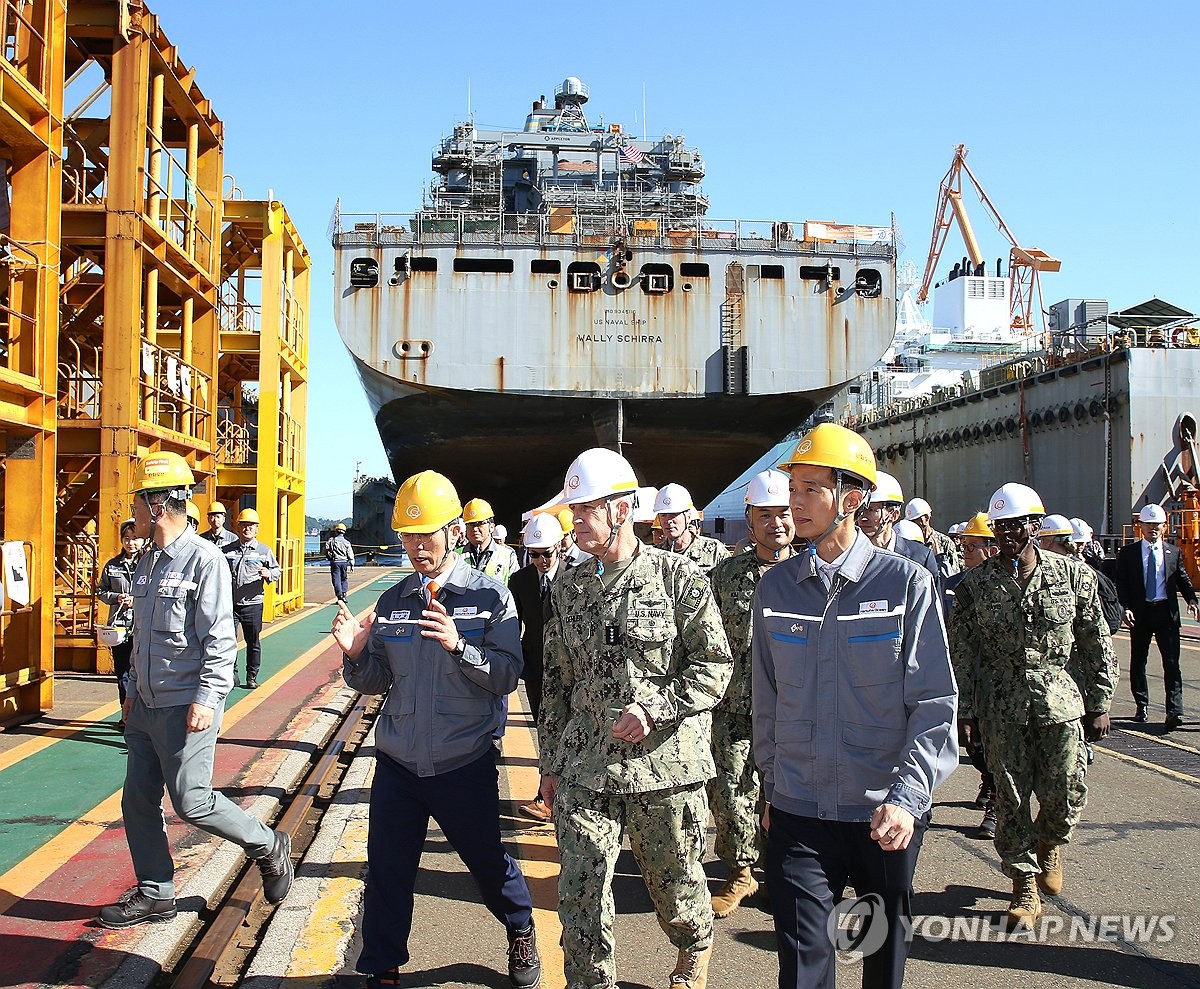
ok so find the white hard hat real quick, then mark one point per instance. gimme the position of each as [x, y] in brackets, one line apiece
[916, 508]
[956, 529]
[887, 490]
[1152, 514]
[1081, 532]
[500, 533]
[542, 532]
[909, 530]
[598, 473]
[768, 489]
[1055, 525]
[672, 498]
[1014, 501]
[644, 510]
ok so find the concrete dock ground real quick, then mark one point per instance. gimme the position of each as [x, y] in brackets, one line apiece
[1134, 860]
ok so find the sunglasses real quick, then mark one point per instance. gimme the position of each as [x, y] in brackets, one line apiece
[540, 554]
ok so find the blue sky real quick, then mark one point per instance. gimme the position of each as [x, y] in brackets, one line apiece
[1080, 119]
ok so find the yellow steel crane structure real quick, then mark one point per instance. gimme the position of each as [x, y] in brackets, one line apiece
[1025, 264]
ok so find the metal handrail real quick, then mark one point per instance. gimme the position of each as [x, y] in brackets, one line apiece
[165, 400]
[80, 387]
[185, 221]
[24, 44]
[235, 446]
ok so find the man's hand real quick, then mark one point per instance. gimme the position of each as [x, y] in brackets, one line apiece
[350, 634]
[1096, 726]
[633, 725]
[548, 790]
[766, 818]
[125, 599]
[199, 718]
[892, 827]
[1194, 611]
[1128, 618]
[437, 624]
[968, 732]
[126, 707]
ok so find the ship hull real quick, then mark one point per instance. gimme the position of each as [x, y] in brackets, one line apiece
[514, 449]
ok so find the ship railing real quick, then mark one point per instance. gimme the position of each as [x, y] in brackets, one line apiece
[174, 392]
[582, 228]
[80, 383]
[235, 446]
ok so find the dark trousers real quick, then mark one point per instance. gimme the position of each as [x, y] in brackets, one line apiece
[121, 655]
[466, 805]
[249, 616]
[533, 687]
[1155, 622]
[339, 573]
[809, 863]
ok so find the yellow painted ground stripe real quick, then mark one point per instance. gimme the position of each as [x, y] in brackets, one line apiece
[1159, 740]
[1183, 777]
[33, 870]
[540, 867]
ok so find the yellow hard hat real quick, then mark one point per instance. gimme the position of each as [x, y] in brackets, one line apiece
[162, 472]
[566, 518]
[193, 512]
[340, 527]
[979, 527]
[247, 515]
[656, 524]
[477, 510]
[836, 447]
[425, 503]
[216, 508]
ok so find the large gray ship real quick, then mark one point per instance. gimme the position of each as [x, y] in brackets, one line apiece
[562, 286]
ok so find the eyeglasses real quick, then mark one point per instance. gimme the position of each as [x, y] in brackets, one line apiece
[477, 525]
[1010, 525]
[540, 554]
[417, 538]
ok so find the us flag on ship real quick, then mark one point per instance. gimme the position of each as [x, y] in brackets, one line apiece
[632, 154]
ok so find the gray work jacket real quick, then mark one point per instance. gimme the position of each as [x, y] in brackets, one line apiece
[854, 696]
[440, 710]
[116, 579]
[245, 561]
[339, 550]
[185, 649]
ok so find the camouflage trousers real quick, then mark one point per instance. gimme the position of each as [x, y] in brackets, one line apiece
[1046, 761]
[735, 794]
[666, 830]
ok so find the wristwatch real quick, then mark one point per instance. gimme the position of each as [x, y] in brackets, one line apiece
[460, 647]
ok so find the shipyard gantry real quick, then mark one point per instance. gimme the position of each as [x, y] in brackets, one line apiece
[144, 306]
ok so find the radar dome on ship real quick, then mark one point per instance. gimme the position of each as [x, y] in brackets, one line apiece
[572, 90]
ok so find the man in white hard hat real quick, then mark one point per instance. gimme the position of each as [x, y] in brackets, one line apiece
[735, 794]
[919, 512]
[1015, 621]
[880, 522]
[853, 719]
[643, 515]
[530, 588]
[635, 659]
[1150, 576]
[676, 513]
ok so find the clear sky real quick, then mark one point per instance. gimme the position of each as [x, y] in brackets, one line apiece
[1081, 121]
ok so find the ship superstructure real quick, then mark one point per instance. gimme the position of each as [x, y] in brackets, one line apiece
[563, 286]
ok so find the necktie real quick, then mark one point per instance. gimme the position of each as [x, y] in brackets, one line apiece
[545, 585]
[1151, 574]
[828, 572]
[432, 587]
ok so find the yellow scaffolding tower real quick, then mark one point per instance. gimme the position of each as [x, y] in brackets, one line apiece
[31, 93]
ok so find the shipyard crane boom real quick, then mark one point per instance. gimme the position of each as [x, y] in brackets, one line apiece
[1025, 264]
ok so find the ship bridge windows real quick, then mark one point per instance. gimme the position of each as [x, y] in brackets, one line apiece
[657, 278]
[422, 264]
[545, 266]
[364, 272]
[693, 269]
[497, 266]
[583, 276]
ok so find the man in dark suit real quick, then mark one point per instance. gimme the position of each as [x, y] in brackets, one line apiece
[1149, 575]
[530, 587]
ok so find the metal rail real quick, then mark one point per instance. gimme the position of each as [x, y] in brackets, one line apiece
[197, 971]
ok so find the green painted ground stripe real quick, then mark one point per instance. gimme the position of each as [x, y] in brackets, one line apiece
[44, 793]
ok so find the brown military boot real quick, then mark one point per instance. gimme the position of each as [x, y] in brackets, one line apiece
[736, 888]
[1026, 905]
[1049, 857]
[691, 969]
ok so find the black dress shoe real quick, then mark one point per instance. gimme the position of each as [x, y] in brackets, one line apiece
[251, 683]
[137, 908]
[1140, 715]
[1173, 721]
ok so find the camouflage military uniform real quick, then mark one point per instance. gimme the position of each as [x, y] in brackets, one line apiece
[705, 552]
[949, 556]
[734, 795]
[1010, 647]
[654, 638]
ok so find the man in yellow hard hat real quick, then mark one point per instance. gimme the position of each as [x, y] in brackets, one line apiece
[181, 671]
[340, 555]
[217, 533]
[444, 647]
[572, 555]
[635, 658]
[253, 565]
[193, 515]
[484, 552]
[854, 704]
